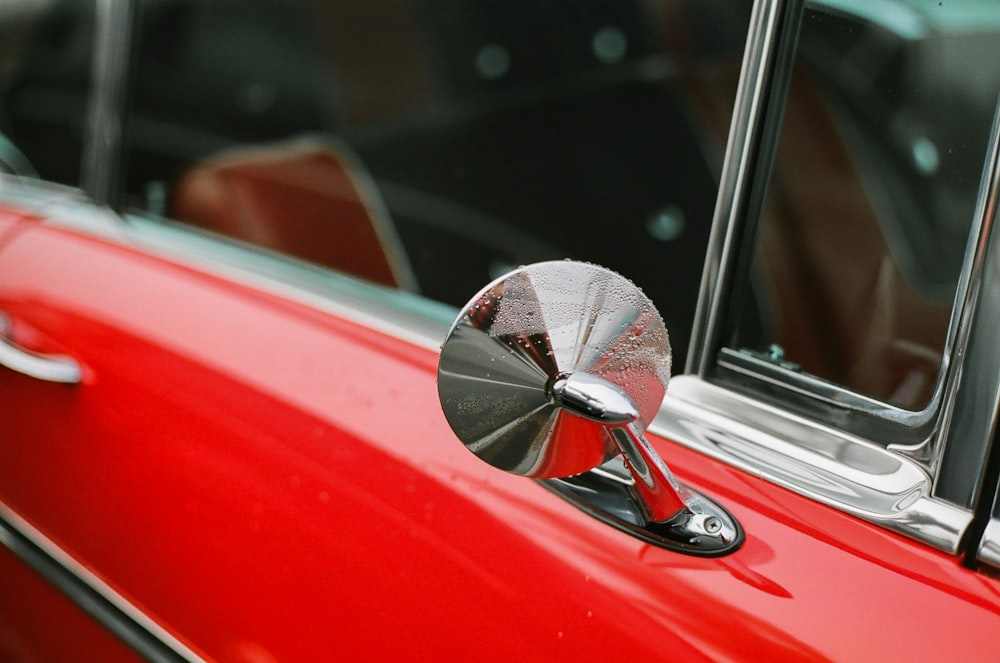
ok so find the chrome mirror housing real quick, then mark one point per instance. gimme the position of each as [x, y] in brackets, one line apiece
[553, 372]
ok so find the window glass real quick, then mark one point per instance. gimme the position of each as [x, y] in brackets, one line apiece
[430, 145]
[45, 63]
[864, 228]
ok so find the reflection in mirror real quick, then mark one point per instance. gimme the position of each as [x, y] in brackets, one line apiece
[863, 232]
[532, 335]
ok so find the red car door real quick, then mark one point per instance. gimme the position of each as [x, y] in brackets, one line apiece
[246, 475]
[30, 604]
[210, 451]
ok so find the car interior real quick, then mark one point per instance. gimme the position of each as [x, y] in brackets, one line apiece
[431, 145]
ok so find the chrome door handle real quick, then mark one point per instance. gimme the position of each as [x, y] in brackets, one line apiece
[51, 368]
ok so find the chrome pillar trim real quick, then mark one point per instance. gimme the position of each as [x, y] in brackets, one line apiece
[989, 545]
[90, 593]
[832, 467]
[106, 115]
[972, 383]
[762, 84]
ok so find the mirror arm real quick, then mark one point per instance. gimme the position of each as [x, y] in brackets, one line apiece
[655, 490]
[659, 493]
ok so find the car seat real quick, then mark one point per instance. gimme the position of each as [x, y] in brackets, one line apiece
[309, 198]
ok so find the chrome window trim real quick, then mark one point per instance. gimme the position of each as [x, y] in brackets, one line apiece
[31, 195]
[983, 348]
[95, 597]
[989, 546]
[762, 85]
[954, 428]
[971, 402]
[810, 385]
[400, 314]
[826, 464]
[404, 315]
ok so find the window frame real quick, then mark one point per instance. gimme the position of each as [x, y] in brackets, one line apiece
[948, 431]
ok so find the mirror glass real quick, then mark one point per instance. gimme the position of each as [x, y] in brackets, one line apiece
[526, 329]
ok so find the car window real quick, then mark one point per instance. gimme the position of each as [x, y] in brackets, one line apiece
[863, 230]
[430, 145]
[45, 74]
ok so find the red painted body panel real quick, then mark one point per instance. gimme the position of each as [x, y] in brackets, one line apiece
[272, 483]
[29, 607]
[37, 623]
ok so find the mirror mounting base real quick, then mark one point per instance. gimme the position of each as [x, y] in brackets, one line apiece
[608, 495]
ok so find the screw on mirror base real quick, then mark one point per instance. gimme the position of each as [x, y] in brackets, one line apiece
[704, 529]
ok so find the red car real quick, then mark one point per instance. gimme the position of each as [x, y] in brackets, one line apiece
[262, 292]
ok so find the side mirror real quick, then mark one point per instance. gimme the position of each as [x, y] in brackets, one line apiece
[553, 372]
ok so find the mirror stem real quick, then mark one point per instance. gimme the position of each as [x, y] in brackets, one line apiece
[656, 491]
[659, 493]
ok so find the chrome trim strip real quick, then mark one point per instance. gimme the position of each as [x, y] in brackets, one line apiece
[989, 545]
[28, 194]
[760, 81]
[830, 466]
[114, 21]
[972, 386]
[90, 593]
[812, 386]
[403, 315]
[407, 316]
